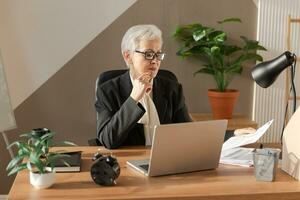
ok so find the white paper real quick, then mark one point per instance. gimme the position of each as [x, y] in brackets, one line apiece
[242, 140]
[233, 154]
[238, 156]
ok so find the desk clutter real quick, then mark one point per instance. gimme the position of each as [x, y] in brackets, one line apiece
[233, 151]
[265, 164]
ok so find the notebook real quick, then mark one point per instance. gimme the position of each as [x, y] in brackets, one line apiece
[74, 161]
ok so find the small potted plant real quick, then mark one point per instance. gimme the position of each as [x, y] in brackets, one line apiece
[219, 59]
[35, 156]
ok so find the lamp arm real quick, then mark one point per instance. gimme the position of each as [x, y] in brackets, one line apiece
[293, 71]
[292, 89]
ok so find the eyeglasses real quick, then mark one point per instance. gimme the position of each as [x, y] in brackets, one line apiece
[150, 55]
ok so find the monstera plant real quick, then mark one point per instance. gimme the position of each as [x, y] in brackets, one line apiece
[219, 58]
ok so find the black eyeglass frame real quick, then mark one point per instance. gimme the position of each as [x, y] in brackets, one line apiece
[159, 55]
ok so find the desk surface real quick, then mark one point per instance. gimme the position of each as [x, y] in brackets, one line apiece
[237, 121]
[226, 182]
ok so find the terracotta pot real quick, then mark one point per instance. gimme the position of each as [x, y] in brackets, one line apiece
[222, 103]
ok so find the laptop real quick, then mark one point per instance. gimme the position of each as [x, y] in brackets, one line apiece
[183, 147]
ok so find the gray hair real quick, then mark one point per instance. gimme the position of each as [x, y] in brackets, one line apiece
[135, 34]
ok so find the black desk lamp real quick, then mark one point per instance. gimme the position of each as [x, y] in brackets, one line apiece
[265, 73]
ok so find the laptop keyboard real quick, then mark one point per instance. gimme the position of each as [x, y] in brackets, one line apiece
[145, 167]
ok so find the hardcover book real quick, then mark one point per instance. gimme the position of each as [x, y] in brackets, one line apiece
[74, 160]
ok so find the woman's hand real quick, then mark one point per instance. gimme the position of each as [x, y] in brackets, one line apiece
[141, 85]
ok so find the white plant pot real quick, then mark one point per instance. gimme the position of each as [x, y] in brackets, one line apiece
[42, 181]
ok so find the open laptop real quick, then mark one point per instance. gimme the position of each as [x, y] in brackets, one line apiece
[183, 147]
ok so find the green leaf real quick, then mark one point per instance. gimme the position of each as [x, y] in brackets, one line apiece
[233, 19]
[207, 51]
[185, 32]
[66, 143]
[24, 150]
[28, 135]
[220, 37]
[230, 49]
[251, 56]
[23, 147]
[17, 169]
[244, 38]
[215, 50]
[48, 136]
[35, 160]
[238, 69]
[198, 35]
[28, 164]
[205, 70]
[259, 47]
[17, 143]
[56, 156]
[14, 162]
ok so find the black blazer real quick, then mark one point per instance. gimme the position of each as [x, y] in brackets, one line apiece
[118, 113]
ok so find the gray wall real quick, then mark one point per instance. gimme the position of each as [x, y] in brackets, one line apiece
[65, 103]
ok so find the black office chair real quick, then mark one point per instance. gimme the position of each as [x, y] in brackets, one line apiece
[107, 75]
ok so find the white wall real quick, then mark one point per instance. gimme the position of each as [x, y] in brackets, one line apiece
[272, 33]
[37, 37]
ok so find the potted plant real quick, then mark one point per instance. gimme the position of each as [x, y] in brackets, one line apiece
[219, 58]
[35, 156]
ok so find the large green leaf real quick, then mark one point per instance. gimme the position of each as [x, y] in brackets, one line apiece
[230, 49]
[198, 35]
[221, 37]
[201, 33]
[215, 50]
[252, 45]
[183, 32]
[233, 19]
[205, 70]
[251, 56]
[238, 69]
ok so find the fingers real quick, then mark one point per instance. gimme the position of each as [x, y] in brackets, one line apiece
[145, 77]
[141, 85]
[148, 89]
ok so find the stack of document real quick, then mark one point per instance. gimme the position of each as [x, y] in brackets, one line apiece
[232, 152]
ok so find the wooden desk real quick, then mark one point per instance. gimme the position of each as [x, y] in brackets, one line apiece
[237, 121]
[226, 182]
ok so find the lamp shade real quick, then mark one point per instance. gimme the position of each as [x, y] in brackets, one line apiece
[265, 73]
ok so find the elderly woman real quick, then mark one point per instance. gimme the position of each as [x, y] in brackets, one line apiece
[130, 105]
